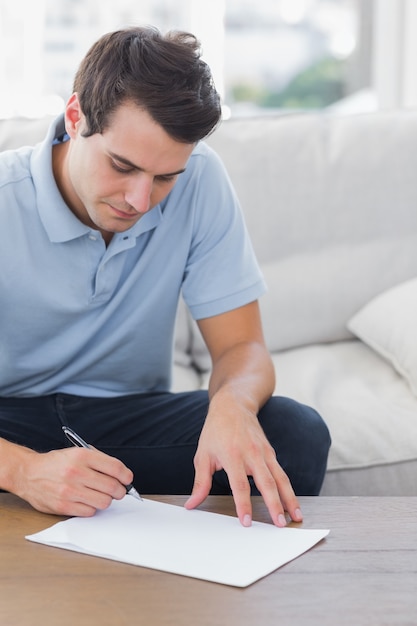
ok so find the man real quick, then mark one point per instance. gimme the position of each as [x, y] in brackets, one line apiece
[102, 226]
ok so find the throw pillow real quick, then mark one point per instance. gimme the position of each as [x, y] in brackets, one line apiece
[388, 324]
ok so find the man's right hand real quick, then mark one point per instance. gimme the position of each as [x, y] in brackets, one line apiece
[71, 481]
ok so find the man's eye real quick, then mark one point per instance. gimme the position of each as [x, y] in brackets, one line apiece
[166, 179]
[121, 168]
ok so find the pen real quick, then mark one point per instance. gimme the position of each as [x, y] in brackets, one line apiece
[76, 440]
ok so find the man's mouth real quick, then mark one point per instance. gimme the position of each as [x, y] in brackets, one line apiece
[124, 214]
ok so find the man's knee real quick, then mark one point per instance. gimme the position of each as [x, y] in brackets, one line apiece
[301, 441]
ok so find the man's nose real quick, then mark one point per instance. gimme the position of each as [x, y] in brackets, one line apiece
[138, 195]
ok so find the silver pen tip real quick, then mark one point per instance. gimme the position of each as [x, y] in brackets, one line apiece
[132, 492]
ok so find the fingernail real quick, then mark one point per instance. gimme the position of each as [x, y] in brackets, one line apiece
[247, 521]
[298, 515]
[281, 520]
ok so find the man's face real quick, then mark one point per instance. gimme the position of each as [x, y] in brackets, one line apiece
[110, 180]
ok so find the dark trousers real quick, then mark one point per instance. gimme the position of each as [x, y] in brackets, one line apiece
[156, 435]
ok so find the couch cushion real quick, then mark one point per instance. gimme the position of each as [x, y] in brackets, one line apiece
[310, 293]
[184, 379]
[388, 325]
[18, 132]
[367, 405]
[330, 205]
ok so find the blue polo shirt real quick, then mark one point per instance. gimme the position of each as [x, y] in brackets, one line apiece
[80, 318]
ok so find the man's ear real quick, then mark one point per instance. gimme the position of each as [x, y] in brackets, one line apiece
[73, 116]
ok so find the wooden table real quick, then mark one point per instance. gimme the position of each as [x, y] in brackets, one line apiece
[363, 573]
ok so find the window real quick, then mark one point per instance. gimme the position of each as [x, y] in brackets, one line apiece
[265, 54]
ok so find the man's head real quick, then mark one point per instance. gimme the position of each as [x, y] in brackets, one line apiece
[164, 75]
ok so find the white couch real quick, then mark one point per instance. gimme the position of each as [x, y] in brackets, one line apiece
[331, 205]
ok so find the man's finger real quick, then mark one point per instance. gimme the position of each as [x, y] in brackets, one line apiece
[287, 496]
[239, 484]
[202, 485]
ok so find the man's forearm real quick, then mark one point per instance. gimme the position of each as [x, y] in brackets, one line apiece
[243, 374]
[12, 459]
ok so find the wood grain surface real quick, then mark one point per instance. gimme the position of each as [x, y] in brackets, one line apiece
[363, 573]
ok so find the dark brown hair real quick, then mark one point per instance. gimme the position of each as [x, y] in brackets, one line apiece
[163, 74]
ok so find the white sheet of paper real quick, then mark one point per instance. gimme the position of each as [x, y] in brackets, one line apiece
[191, 543]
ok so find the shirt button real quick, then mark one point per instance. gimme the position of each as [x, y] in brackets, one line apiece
[92, 237]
